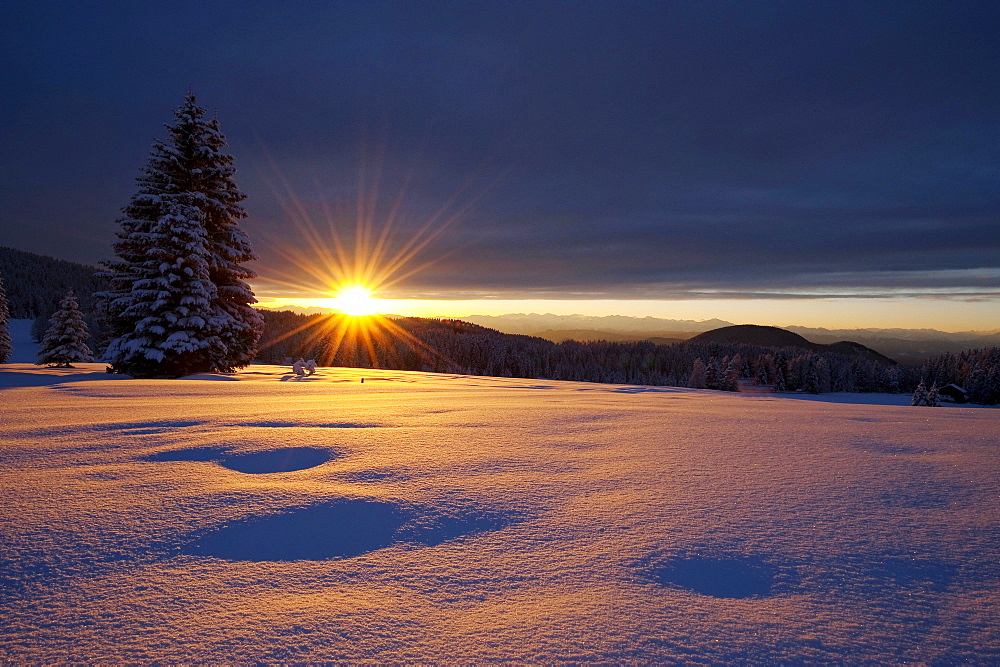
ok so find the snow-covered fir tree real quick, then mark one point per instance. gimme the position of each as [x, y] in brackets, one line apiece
[920, 395]
[990, 390]
[779, 380]
[713, 374]
[824, 377]
[933, 399]
[697, 378]
[64, 341]
[5, 344]
[172, 302]
[730, 380]
[810, 382]
[188, 181]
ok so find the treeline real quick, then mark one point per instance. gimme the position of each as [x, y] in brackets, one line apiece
[975, 371]
[452, 346]
[36, 284]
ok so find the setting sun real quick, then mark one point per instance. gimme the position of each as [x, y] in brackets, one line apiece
[355, 300]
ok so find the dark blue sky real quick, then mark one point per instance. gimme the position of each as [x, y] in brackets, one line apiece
[611, 149]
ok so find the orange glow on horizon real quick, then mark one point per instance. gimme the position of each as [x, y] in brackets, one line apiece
[350, 267]
[903, 313]
[381, 252]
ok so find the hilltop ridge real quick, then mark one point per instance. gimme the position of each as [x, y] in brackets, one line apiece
[767, 336]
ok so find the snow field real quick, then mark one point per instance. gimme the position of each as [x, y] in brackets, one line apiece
[25, 350]
[256, 517]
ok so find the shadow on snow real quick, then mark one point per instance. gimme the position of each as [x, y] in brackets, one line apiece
[338, 529]
[286, 459]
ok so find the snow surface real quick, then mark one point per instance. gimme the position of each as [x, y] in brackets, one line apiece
[25, 350]
[422, 517]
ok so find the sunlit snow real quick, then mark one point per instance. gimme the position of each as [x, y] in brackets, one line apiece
[422, 517]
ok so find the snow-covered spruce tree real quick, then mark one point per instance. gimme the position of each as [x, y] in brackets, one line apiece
[177, 327]
[731, 377]
[64, 340]
[713, 374]
[920, 395]
[933, 399]
[989, 389]
[187, 178]
[779, 380]
[5, 345]
[697, 378]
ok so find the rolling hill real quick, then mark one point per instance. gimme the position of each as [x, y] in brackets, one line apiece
[764, 336]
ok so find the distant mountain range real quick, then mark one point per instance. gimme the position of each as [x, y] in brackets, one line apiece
[647, 326]
[35, 283]
[903, 345]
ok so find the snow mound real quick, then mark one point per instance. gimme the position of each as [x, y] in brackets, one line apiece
[338, 529]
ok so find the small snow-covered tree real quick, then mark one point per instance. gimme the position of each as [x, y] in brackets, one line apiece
[64, 340]
[920, 395]
[933, 400]
[697, 379]
[730, 380]
[779, 380]
[188, 181]
[5, 344]
[892, 380]
[810, 383]
[713, 374]
[762, 377]
[824, 377]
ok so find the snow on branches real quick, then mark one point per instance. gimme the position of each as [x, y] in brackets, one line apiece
[64, 341]
[179, 302]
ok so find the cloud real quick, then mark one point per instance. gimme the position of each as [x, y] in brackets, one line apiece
[770, 150]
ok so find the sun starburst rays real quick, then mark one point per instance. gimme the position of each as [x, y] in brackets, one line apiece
[382, 250]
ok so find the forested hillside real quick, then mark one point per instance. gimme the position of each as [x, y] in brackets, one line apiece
[454, 346]
[907, 346]
[37, 283]
[765, 336]
[976, 371]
